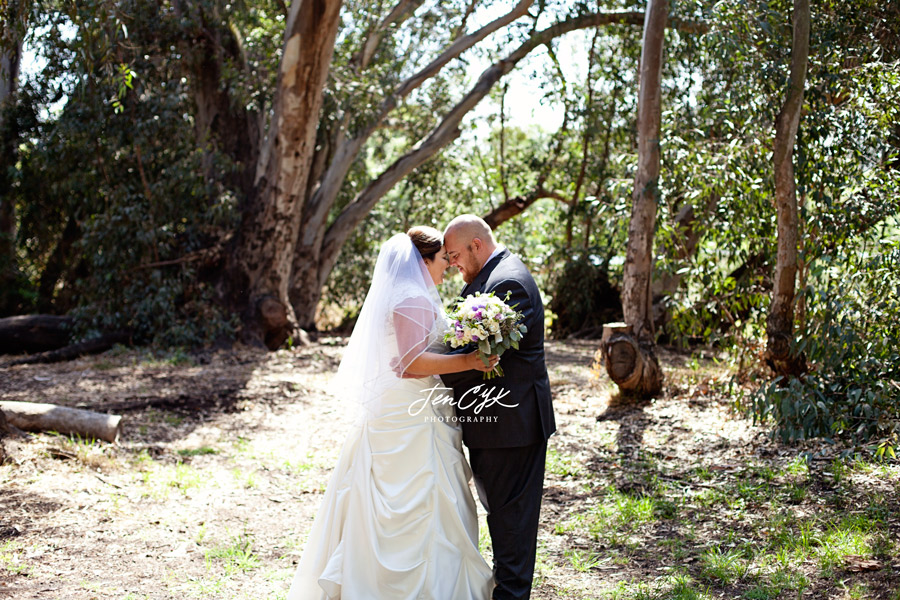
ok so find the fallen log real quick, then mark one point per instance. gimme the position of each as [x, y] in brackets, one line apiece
[95, 346]
[33, 416]
[33, 333]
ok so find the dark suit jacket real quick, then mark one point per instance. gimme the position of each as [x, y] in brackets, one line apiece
[525, 373]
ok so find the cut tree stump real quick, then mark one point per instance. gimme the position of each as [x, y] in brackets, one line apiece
[631, 365]
[33, 416]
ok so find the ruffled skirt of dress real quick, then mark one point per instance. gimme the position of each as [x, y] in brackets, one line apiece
[398, 519]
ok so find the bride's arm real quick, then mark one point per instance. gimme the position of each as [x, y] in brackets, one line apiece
[432, 363]
[412, 325]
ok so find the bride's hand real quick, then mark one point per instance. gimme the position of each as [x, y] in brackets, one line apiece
[476, 364]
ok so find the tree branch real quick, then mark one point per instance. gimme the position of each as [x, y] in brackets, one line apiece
[401, 11]
[519, 204]
[447, 130]
[346, 153]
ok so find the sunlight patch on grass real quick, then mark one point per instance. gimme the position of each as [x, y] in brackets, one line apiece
[484, 535]
[584, 560]
[726, 566]
[87, 451]
[562, 465]
[542, 566]
[849, 537]
[305, 473]
[234, 557]
[160, 479]
[11, 558]
[678, 586]
[614, 519]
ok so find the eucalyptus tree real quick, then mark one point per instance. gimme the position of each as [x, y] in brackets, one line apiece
[13, 24]
[780, 352]
[161, 169]
[324, 225]
[629, 355]
[270, 228]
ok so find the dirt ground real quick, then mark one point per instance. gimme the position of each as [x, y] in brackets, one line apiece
[224, 456]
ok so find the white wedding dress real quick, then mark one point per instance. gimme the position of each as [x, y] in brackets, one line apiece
[398, 519]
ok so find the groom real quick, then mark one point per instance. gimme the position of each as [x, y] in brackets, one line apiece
[507, 441]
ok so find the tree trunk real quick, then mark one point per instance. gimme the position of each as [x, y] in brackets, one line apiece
[645, 377]
[56, 264]
[222, 124]
[780, 323]
[627, 362]
[72, 351]
[10, 59]
[271, 223]
[33, 333]
[33, 416]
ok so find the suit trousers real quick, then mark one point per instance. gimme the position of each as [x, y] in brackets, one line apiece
[510, 483]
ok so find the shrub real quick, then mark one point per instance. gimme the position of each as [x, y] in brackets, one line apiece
[851, 339]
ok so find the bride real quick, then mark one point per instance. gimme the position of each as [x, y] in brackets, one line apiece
[398, 520]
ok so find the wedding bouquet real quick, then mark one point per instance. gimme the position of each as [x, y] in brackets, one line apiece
[488, 322]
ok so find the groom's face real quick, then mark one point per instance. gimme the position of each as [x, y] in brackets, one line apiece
[461, 253]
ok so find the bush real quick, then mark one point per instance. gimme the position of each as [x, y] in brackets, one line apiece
[852, 342]
[583, 299]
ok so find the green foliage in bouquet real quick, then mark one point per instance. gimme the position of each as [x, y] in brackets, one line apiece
[487, 322]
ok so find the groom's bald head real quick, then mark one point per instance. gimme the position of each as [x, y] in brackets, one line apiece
[469, 242]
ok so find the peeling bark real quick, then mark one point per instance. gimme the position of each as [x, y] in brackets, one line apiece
[270, 227]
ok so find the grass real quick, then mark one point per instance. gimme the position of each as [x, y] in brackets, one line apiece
[202, 451]
[12, 558]
[86, 451]
[757, 532]
[160, 480]
[562, 465]
[724, 566]
[582, 560]
[236, 556]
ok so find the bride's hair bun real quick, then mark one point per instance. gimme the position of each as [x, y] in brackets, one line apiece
[428, 240]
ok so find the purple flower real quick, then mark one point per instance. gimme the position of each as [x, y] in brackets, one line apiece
[459, 335]
[478, 315]
[474, 338]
